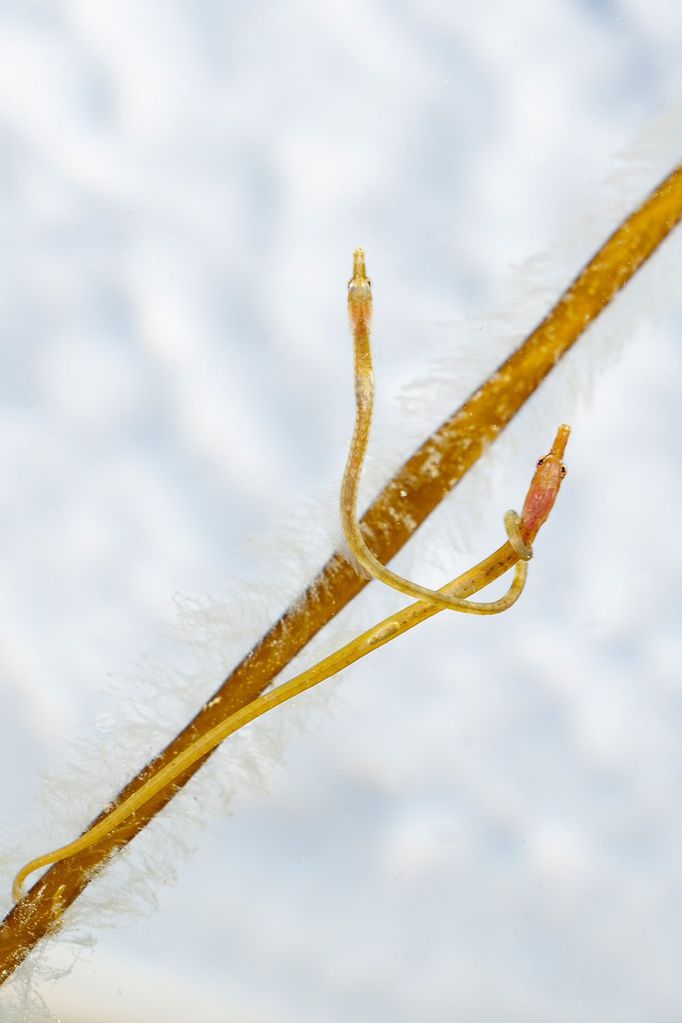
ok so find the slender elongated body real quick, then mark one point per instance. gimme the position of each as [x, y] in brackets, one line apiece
[360, 318]
[521, 531]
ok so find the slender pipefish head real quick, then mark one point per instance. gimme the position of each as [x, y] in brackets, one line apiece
[544, 486]
[359, 294]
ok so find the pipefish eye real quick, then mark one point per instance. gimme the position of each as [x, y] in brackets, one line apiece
[563, 471]
[540, 462]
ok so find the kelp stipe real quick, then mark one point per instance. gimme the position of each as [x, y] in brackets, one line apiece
[458, 443]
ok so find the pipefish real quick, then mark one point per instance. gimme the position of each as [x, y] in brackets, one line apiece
[514, 553]
[360, 318]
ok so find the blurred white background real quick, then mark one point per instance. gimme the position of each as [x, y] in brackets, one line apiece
[181, 189]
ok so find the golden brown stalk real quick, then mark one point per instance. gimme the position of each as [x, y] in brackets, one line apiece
[393, 517]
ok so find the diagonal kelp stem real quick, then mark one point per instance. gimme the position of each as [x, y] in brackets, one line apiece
[416, 489]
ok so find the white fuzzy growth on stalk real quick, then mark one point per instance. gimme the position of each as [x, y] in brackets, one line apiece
[147, 708]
